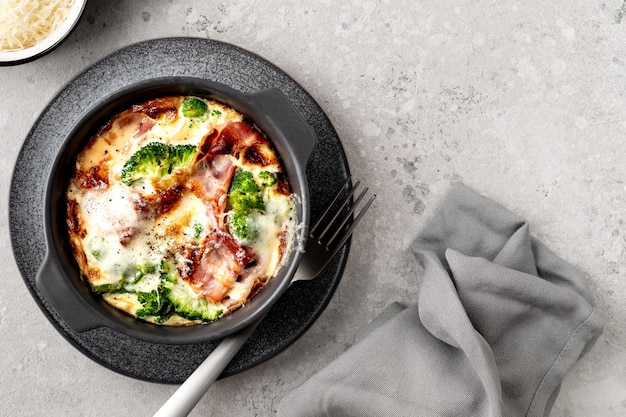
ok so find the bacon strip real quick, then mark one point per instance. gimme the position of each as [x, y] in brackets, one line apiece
[73, 219]
[96, 177]
[144, 127]
[158, 107]
[234, 138]
[213, 267]
[210, 182]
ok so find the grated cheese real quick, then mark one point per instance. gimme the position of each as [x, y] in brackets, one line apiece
[25, 23]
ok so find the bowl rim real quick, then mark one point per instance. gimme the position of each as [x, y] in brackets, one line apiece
[50, 42]
[108, 317]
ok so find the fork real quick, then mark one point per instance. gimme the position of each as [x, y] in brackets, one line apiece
[326, 237]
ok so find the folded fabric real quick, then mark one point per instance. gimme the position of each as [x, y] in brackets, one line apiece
[498, 321]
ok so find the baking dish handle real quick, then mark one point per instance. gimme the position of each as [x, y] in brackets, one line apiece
[64, 297]
[281, 115]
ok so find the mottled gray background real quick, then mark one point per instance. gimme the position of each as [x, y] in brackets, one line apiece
[521, 100]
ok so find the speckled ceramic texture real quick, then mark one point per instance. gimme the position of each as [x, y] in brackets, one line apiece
[195, 57]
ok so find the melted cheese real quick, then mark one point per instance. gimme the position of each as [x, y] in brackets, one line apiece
[127, 232]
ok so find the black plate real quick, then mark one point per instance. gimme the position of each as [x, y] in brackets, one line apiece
[294, 313]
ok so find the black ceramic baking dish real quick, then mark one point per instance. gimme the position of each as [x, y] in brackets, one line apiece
[59, 278]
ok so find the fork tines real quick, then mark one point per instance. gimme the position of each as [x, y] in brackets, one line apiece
[334, 222]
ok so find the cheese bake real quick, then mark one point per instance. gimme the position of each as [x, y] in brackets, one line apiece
[179, 211]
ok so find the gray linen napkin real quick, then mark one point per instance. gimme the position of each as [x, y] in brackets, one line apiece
[498, 321]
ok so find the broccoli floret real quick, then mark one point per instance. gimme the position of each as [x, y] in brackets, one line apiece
[187, 305]
[149, 161]
[108, 288]
[97, 247]
[128, 276]
[243, 227]
[147, 268]
[197, 230]
[267, 178]
[244, 203]
[165, 271]
[141, 271]
[243, 182]
[125, 274]
[245, 194]
[194, 107]
[181, 156]
[156, 304]
[157, 160]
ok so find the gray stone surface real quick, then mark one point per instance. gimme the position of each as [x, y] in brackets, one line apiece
[523, 101]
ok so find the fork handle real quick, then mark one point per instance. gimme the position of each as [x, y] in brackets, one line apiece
[189, 393]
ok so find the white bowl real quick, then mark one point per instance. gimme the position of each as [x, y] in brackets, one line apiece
[47, 44]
